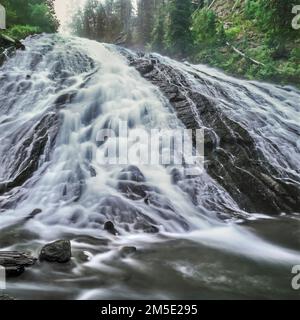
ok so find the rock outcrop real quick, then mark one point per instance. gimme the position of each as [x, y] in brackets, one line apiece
[233, 159]
[15, 262]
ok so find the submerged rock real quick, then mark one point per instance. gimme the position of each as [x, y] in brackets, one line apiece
[145, 227]
[145, 66]
[132, 183]
[58, 251]
[33, 214]
[64, 99]
[132, 173]
[110, 227]
[133, 190]
[127, 251]
[83, 257]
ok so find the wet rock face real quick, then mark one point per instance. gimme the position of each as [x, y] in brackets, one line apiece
[29, 145]
[64, 99]
[132, 183]
[235, 163]
[132, 173]
[58, 251]
[121, 214]
[145, 66]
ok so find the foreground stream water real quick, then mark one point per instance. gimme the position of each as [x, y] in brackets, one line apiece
[54, 99]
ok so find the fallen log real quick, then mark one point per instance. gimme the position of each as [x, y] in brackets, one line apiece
[210, 6]
[244, 55]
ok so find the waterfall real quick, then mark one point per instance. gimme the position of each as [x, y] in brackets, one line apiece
[57, 95]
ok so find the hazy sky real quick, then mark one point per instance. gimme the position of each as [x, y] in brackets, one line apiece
[63, 7]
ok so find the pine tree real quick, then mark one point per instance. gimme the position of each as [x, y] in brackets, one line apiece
[159, 30]
[179, 30]
[124, 12]
[145, 20]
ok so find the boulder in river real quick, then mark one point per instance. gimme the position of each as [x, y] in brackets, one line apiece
[109, 227]
[58, 251]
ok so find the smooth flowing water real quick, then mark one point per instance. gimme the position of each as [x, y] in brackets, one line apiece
[55, 97]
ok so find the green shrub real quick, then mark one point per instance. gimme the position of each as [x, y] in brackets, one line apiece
[22, 31]
[207, 29]
[251, 9]
[295, 55]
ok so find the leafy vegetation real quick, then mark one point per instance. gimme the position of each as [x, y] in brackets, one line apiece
[250, 38]
[260, 29]
[28, 17]
[22, 31]
[178, 34]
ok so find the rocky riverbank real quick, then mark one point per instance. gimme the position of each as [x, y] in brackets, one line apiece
[59, 251]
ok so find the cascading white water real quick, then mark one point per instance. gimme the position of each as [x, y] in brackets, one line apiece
[270, 113]
[76, 194]
[114, 92]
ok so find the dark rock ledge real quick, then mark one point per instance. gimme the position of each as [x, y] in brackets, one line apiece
[15, 262]
[236, 163]
[60, 251]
